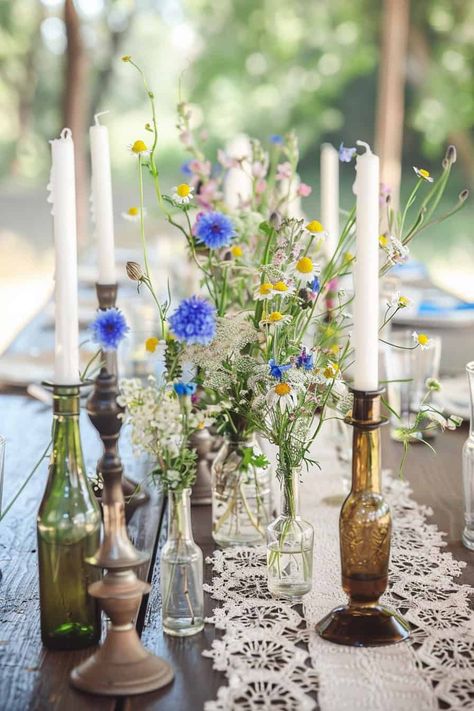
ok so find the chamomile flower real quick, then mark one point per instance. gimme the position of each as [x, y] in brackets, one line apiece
[304, 269]
[314, 227]
[422, 340]
[151, 344]
[398, 300]
[281, 395]
[236, 251]
[133, 214]
[264, 291]
[275, 319]
[139, 148]
[283, 288]
[423, 174]
[182, 193]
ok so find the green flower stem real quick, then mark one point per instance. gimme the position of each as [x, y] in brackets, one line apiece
[27, 480]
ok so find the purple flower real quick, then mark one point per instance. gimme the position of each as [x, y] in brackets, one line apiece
[194, 321]
[276, 371]
[183, 389]
[305, 360]
[109, 328]
[276, 139]
[185, 168]
[214, 229]
[346, 154]
[314, 285]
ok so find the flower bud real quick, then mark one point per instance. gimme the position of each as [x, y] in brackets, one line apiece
[463, 195]
[275, 220]
[450, 156]
[134, 271]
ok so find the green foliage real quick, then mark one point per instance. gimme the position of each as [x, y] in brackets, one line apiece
[251, 459]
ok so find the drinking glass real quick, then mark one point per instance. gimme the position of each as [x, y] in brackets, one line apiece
[407, 369]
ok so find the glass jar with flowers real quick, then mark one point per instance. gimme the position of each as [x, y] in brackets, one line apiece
[163, 419]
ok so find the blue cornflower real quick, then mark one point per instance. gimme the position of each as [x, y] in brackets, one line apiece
[346, 154]
[186, 169]
[276, 370]
[109, 328]
[194, 321]
[276, 139]
[214, 229]
[315, 285]
[305, 360]
[182, 389]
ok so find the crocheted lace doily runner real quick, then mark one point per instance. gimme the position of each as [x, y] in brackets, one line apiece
[273, 658]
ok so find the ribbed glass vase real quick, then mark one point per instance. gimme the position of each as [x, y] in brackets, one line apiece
[241, 494]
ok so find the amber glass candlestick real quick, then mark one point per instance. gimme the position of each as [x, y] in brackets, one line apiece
[365, 526]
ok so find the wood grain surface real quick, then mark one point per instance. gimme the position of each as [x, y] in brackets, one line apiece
[32, 678]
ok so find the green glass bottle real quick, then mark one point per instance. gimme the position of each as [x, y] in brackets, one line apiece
[68, 528]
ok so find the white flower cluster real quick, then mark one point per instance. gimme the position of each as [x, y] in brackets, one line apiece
[154, 415]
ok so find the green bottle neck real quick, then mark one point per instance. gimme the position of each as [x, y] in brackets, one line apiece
[69, 510]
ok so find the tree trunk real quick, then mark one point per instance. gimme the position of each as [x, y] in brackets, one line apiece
[76, 111]
[391, 93]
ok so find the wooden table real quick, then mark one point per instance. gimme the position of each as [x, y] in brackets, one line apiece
[33, 678]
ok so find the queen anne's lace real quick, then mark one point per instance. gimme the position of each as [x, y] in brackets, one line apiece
[274, 659]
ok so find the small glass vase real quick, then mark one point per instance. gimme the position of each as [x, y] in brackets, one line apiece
[290, 546]
[181, 569]
[241, 495]
[468, 468]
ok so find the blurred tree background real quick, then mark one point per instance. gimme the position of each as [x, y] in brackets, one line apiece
[259, 66]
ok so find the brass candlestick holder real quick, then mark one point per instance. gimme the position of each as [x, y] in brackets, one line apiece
[121, 666]
[107, 299]
[365, 526]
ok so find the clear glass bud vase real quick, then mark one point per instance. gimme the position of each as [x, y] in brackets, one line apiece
[241, 494]
[68, 529]
[290, 545]
[181, 571]
[468, 468]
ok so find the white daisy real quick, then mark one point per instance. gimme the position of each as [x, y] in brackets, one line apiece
[133, 214]
[283, 288]
[275, 319]
[182, 193]
[264, 291]
[139, 148]
[422, 340]
[304, 269]
[423, 174]
[281, 395]
[396, 299]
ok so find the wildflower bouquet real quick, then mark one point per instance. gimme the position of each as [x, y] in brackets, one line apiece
[267, 342]
[162, 420]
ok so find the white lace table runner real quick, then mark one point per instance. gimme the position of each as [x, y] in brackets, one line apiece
[273, 659]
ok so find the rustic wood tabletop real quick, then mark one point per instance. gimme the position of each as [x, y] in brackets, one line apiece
[34, 678]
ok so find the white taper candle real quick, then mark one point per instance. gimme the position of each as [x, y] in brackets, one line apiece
[63, 197]
[329, 178]
[366, 271]
[102, 201]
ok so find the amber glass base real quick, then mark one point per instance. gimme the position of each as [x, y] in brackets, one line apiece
[363, 626]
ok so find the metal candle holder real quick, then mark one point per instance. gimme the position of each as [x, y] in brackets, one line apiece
[122, 665]
[107, 298]
[365, 529]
